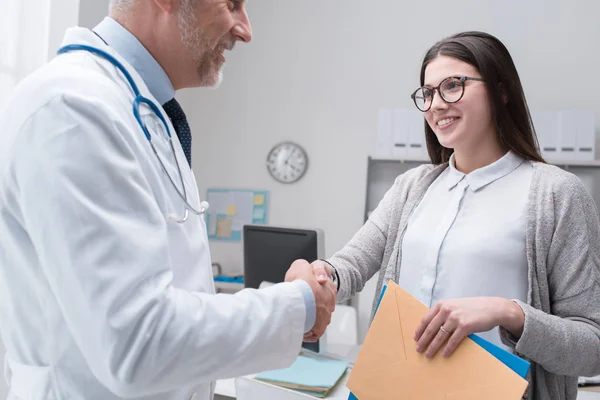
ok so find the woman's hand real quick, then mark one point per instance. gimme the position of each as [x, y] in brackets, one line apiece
[450, 321]
[323, 273]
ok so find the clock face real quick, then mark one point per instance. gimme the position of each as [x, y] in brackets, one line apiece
[287, 162]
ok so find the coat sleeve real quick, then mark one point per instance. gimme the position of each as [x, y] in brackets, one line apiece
[102, 243]
[567, 340]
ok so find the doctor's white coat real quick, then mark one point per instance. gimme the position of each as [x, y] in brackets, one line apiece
[101, 296]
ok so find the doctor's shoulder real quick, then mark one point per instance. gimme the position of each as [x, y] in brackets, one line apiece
[65, 97]
[73, 80]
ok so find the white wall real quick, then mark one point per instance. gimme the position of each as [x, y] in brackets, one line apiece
[63, 14]
[317, 71]
[91, 12]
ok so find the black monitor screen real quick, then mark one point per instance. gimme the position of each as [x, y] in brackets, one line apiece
[269, 252]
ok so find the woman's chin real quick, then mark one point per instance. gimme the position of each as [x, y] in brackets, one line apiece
[446, 141]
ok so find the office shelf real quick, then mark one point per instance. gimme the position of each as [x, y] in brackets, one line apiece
[561, 163]
[382, 171]
[574, 163]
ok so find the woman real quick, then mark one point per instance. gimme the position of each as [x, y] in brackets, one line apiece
[488, 236]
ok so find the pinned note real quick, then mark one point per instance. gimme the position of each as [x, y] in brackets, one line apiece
[239, 207]
[259, 199]
[259, 213]
[231, 210]
[224, 228]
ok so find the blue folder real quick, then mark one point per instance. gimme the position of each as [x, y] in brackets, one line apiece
[512, 361]
[314, 376]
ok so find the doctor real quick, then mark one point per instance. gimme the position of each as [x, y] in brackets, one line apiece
[106, 289]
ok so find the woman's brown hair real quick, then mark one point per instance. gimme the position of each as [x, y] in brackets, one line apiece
[508, 105]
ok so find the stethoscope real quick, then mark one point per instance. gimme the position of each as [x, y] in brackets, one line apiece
[139, 99]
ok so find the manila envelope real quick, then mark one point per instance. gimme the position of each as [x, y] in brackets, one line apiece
[389, 366]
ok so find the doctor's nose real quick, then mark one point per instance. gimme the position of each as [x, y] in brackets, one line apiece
[242, 30]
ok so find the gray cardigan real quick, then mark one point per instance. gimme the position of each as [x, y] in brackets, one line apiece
[561, 337]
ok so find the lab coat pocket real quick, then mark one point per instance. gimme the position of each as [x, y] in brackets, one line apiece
[28, 382]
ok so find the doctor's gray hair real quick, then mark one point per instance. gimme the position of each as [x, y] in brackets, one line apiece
[119, 5]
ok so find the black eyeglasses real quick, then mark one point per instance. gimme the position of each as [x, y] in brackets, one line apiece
[450, 89]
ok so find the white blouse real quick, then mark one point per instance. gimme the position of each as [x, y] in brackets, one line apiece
[467, 236]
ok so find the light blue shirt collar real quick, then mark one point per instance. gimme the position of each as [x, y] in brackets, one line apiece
[130, 48]
[484, 176]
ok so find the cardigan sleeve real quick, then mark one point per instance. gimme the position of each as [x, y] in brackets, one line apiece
[362, 256]
[566, 340]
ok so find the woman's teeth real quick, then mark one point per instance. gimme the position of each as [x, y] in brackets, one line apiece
[445, 121]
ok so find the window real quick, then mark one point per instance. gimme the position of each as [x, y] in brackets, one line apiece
[8, 48]
[23, 42]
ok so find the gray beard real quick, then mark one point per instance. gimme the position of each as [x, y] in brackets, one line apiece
[196, 43]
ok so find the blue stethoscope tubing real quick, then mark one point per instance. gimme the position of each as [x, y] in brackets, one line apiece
[139, 99]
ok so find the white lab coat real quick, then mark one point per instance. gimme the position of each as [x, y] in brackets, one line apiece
[101, 297]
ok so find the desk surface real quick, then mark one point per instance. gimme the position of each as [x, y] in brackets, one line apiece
[586, 395]
[226, 387]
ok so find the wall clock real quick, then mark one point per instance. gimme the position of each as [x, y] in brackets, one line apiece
[287, 162]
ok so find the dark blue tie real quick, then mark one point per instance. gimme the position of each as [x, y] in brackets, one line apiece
[182, 128]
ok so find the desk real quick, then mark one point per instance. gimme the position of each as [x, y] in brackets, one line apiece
[226, 388]
[591, 393]
[593, 389]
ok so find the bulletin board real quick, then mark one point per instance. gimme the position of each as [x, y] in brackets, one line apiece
[230, 209]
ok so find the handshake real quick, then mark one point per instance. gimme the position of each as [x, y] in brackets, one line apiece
[318, 276]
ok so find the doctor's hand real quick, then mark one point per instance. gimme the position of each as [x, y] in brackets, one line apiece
[324, 296]
[450, 321]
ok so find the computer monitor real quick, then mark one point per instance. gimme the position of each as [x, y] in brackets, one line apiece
[270, 251]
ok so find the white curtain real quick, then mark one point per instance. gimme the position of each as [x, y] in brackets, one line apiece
[23, 41]
[30, 33]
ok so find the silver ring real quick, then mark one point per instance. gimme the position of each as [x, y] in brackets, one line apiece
[445, 331]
